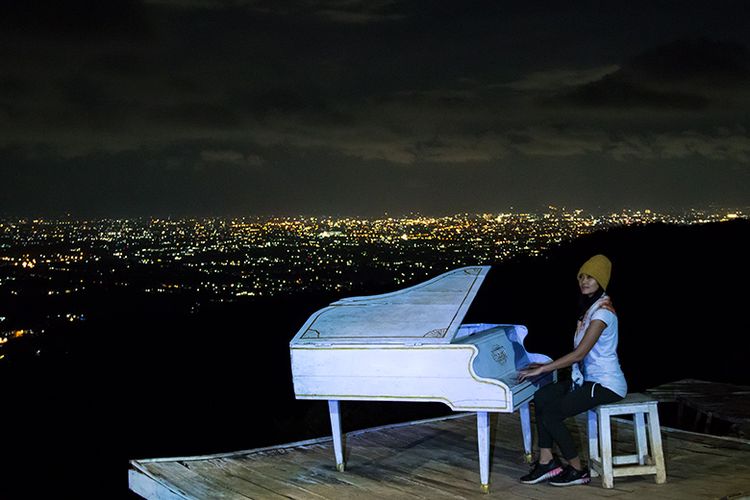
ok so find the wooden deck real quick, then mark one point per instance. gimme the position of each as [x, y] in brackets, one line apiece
[435, 459]
[709, 401]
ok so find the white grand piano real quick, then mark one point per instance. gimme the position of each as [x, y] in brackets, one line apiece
[410, 345]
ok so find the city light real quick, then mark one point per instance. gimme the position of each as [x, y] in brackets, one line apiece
[235, 259]
[266, 256]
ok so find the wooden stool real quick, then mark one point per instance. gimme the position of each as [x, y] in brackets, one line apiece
[601, 460]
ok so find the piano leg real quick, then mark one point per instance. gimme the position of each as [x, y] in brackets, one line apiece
[483, 438]
[333, 409]
[526, 431]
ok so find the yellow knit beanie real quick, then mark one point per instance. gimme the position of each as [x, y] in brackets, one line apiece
[598, 267]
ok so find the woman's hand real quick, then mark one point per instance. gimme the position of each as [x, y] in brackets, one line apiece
[531, 371]
[587, 342]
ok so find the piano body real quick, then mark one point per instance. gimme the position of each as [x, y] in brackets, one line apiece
[410, 345]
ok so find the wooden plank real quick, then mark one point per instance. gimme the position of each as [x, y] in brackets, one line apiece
[220, 471]
[388, 471]
[729, 402]
[190, 484]
[363, 444]
[334, 483]
[408, 455]
[146, 486]
[310, 474]
[293, 479]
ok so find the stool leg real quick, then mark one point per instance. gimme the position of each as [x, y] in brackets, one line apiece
[656, 447]
[605, 445]
[593, 429]
[640, 437]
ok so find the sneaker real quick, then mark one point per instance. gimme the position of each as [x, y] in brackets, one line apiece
[571, 476]
[540, 472]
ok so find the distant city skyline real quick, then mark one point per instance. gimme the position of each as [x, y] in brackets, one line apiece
[711, 213]
[59, 265]
[362, 108]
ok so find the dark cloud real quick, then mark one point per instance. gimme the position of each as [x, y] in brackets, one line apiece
[684, 74]
[255, 96]
[698, 60]
[335, 11]
[618, 90]
[74, 20]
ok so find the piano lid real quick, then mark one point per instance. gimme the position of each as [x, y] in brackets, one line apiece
[427, 313]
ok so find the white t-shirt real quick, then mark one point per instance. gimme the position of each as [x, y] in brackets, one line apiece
[601, 365]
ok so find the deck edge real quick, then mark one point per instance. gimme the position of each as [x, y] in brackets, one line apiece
[144, 484]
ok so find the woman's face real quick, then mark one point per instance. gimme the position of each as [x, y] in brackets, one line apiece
[587, 284]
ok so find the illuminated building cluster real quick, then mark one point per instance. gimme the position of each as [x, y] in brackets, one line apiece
[59, 262]
[267, 256]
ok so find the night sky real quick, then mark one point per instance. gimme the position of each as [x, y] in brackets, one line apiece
[364, 107]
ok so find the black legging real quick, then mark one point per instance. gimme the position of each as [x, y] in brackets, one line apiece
[554, 403]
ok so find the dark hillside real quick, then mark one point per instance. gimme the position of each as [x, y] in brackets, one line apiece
[680, 293]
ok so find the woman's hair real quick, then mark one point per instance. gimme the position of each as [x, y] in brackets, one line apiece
[585, 301]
